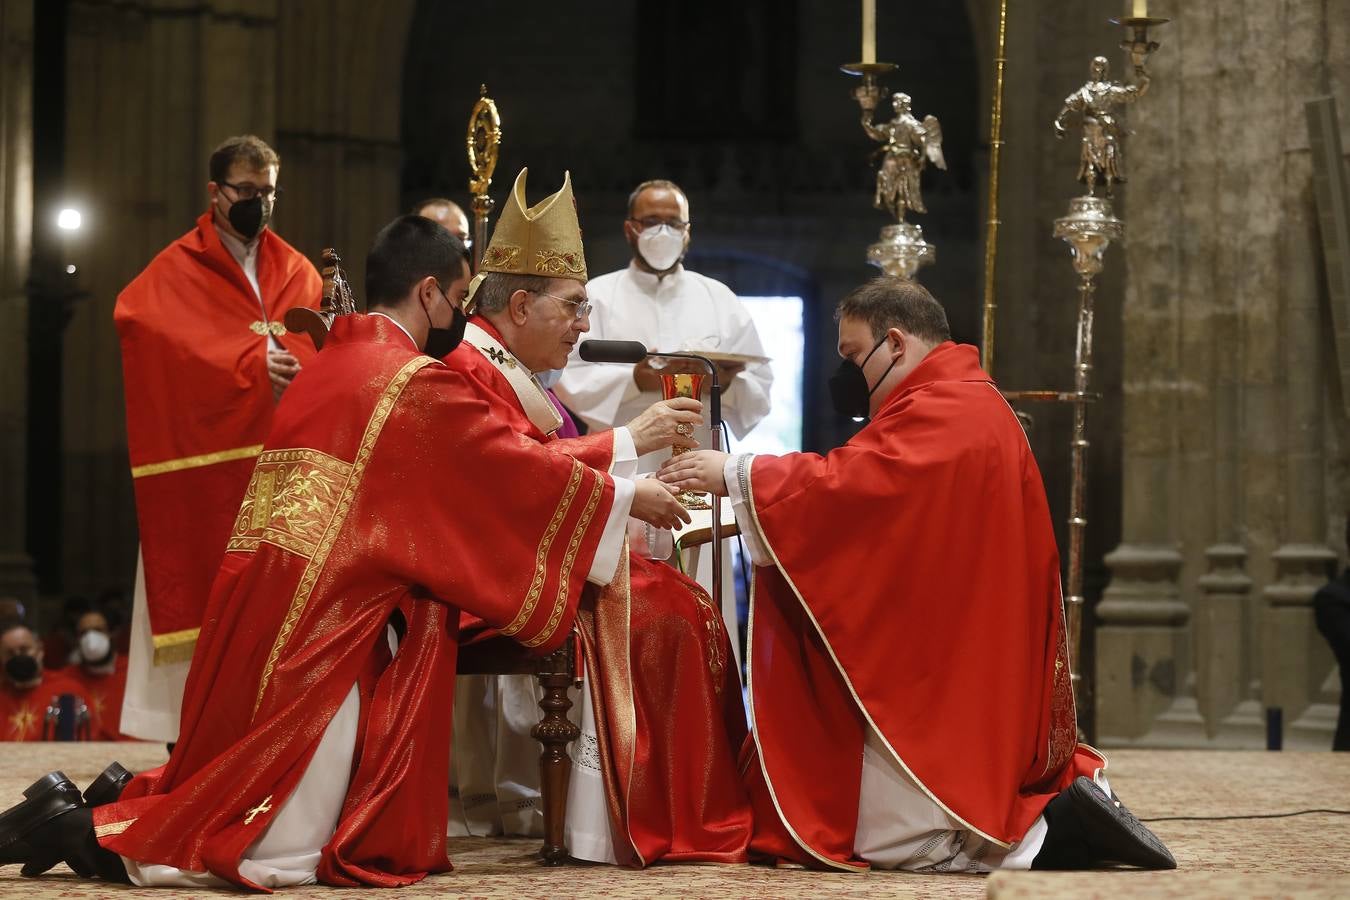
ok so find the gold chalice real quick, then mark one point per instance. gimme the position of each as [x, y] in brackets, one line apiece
[684, 385]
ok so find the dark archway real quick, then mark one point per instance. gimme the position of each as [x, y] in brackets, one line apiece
[747, 110]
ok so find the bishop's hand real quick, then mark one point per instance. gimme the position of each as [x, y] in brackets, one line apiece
[700, 471]
[666, 423]
[655, 504]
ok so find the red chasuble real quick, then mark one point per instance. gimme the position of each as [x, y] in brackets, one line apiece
[659, 666]
[24, 712]
[381, 488]
[102, 693]
[915, 587]
[199, 403]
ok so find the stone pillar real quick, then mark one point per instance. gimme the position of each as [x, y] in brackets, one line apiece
[338, 107]
[16, 234]
[1141, 610]
[1296, 661]
[1226, 390]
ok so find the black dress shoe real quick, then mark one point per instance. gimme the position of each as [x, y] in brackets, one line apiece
[1087, 829]
[50, 796]
[107, 787]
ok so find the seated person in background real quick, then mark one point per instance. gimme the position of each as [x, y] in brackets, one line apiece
[1331, 605]
[909, 678]
[58, 642]
[26, 689]
[662, 719]
[101, 675]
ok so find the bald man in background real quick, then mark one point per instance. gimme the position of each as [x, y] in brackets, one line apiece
[449, 214]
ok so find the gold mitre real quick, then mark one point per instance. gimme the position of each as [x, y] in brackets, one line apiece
[544, 239]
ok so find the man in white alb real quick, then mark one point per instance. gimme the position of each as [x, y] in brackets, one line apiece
[659, 302]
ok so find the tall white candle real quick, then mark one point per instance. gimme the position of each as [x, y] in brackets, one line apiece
[869, 31]
[1140, 10]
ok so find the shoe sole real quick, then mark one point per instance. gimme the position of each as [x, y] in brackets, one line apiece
[1115, 833]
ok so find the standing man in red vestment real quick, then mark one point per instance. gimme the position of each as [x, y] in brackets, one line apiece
[906, 631]
[661, 715]
[204, 360]
[315, 725]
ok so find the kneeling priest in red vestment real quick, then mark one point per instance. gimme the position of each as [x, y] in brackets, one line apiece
[908, 674]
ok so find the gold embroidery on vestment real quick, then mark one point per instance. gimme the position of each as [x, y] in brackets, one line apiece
[196, 462]
[175, 646]
[383, 407]
[565, 572]
[289, 501]
[113, 828]
[541, 555]
[501, 255]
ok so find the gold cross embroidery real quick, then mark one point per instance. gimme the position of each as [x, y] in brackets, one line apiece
[21, 722]
[258, 810]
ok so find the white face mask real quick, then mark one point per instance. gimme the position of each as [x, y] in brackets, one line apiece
[661, 246]
[548, 378]
[94, 646]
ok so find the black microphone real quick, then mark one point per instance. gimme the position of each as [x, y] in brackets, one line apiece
[613, 351]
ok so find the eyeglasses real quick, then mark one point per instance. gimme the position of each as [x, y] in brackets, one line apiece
[248, 191]
[580, 308]
[657, 221]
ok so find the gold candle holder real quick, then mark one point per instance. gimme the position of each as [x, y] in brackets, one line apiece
[684, 385]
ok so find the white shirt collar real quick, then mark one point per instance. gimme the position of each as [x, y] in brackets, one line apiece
[238, 249]
[398, 323]
[650, 283]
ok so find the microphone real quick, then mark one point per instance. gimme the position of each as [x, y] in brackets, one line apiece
[635, 352]
[613, 351]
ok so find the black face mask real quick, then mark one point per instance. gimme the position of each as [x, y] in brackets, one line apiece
[441, 341]
[21, 669]
[848, 386]
[249, 217]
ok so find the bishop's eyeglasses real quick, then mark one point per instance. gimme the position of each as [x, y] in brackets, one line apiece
[580, 308]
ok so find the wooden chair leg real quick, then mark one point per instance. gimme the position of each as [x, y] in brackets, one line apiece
[555, 731]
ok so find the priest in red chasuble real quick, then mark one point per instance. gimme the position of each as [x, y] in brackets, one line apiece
[906, 630]
[654, 776]
[204, 360]
[316, 722]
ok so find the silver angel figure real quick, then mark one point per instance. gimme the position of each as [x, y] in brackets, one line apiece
[1101, 159]
[909, 146]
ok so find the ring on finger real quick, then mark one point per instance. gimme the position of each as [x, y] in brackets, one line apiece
[684, 429]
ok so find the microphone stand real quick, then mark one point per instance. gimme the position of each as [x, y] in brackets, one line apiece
[633, 352]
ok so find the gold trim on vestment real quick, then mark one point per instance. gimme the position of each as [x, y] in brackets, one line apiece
[289, 501]
[541, 554]
[195, 462]
[108, 830]
[175, 646]
[569, 559]
[383, 407]
[754, 515]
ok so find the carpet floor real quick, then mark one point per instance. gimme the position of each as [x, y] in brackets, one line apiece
[1298, 856]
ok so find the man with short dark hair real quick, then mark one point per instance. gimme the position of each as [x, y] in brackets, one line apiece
[205, 358]
[316, 722]
[907, 637]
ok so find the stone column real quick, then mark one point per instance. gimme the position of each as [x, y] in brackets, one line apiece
[1296, 661]
[16, 232]
[1141, 610]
